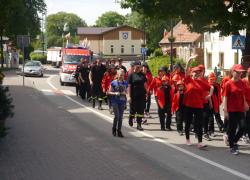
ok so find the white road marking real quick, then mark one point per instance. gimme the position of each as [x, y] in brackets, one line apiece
[109, 119]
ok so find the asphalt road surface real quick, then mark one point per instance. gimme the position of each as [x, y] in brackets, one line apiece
[56, 135]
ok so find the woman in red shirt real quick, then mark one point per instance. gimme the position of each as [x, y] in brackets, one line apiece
[247, 95]
[193, 102]
[235, 106]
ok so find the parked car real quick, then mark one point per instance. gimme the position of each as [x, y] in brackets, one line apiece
[33, 68]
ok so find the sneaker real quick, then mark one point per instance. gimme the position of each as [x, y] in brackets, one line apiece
[180, 133]
[145, 122]
[206, 137]
[168, 128]
[188, 142]
[139, 128]
[225, 138]
[130, 122]
[234, 151]
[245, 139]
[201, 145]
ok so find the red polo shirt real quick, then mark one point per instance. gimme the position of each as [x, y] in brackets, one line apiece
[194, 94]
[235, 92]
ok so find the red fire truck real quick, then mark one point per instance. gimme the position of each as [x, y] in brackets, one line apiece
[71, 56]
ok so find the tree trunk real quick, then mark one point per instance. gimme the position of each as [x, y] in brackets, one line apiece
[1, 47]
[246, 51]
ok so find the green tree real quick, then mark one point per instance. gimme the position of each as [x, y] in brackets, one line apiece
[55, 24]
[19, 17]
[228, 17]
[154, 28]
[110, 19]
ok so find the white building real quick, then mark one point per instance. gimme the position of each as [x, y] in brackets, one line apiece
[218, 52]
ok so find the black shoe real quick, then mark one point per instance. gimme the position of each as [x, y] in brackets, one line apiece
[119, 134]
[163, 129]
[100, 108]
[168, 128]
[93, 105]
[180, 133]
[114, 131]
[130, 122]
[139, 128]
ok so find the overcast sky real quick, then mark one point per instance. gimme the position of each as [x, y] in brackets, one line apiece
[88, 10]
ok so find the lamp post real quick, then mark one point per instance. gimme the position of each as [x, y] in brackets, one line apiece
[171, 39]
[65, 29]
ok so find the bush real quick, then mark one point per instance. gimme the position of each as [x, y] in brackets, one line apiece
[156, 62]
[6, 109]
[20, 59]
[38, 57]
[158, 52]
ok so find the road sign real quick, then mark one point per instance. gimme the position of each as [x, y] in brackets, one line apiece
[144, 50]
[238, 42]
[23, 41]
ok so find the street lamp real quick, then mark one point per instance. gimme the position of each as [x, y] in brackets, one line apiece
[171, 39]
[65, 29]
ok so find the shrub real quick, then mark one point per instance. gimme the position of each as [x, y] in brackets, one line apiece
[38, 57]
[20, 59]
[6, 109]
[158, 52]
[156, 62]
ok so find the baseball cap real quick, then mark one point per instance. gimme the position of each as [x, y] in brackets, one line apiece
[137, 63]
[238, 68]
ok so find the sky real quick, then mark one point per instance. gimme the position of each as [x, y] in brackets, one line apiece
[88, 10]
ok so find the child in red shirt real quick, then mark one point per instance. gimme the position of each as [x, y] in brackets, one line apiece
[235, 106]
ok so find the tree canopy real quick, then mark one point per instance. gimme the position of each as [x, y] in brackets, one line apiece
[226, 16]
[55, 25]
[110, 19]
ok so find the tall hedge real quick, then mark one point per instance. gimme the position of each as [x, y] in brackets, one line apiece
[38, 57]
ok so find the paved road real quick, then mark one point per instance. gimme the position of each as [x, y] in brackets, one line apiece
[62, 137]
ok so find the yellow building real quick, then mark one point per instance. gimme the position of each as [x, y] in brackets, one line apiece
[123, 41]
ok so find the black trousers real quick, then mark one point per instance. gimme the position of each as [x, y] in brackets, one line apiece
[179, 119]
[165, 121]
[218, 120]
[206, 116]
[148, 103]
[84, 90]
[196, 114]
[235, 123]
[137, 107]
[97, 93]
[247, 123]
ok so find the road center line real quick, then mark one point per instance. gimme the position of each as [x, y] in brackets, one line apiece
[109, 119]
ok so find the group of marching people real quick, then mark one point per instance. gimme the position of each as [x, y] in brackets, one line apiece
[194, 98]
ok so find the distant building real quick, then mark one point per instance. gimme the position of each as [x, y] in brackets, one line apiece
[123, 41]
[185, 44]
[218, 51]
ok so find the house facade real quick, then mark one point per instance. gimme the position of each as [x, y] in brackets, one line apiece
[218, 51]
[122, 41]
[185, 44]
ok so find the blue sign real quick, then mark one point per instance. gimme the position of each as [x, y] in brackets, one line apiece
[238, 42]
[144, 50]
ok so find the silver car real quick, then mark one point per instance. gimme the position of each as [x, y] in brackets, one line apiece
[33, 68]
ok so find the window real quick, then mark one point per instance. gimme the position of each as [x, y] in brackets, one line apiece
[236, 61]
[221, 61]
[209, 60]
[111, 49]
[122, 49]
[132, 49]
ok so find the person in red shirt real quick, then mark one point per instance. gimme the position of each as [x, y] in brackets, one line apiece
[149, 77]
[234, 106]
[178, 106]
[216, 102]
[108, 77]
[194, 102]
[164, 103]
[247, 96]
